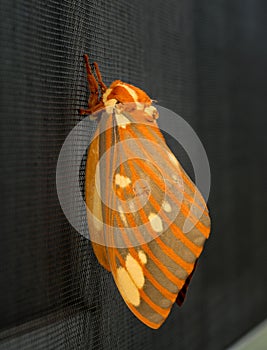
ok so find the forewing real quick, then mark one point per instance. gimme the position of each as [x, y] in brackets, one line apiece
[139, 200]
[158, 222]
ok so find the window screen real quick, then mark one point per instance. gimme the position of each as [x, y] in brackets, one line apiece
[203, 60]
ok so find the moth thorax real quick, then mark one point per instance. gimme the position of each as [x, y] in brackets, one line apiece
[120, 92]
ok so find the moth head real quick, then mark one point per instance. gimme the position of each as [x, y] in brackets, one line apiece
[119, 96]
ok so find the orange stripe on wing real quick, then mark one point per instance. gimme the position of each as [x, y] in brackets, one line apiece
[184, 209]
[192, 200]
[144, 296]
[144, 319]
[175, 280]
[167, 249]
[167, 294]
[153, 133]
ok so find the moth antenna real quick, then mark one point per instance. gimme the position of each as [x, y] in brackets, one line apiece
[103, 86]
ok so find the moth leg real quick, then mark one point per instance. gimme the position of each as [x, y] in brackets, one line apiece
[93, 109]
[103, 87]
[94, 103]
[92, 84]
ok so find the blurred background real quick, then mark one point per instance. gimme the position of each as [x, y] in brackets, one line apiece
[205, 60]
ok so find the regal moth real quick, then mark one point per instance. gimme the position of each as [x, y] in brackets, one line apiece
[139, 202]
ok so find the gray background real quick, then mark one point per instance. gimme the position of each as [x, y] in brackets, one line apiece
[205, 61]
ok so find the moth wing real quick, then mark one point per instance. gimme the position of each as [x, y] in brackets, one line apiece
[137, 214]
[162, 223]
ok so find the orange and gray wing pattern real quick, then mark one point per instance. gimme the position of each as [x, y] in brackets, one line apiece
[148, 221]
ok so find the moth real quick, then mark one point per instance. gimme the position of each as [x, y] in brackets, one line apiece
[147, 220]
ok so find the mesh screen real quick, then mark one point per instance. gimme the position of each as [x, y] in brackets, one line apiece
[203, 60]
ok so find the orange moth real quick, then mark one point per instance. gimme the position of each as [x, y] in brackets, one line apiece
[138, 200]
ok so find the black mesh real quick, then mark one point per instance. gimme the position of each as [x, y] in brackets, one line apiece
[204, 60]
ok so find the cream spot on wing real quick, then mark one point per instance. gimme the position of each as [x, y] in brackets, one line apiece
[173, 159]
[178, 180]
[142, 257]
[155, 222]
[166, 206]
[122, 181]
[122, 215]
[122, 121]
[135, 271]
[127, 287]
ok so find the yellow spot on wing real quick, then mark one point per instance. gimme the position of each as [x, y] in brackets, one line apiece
[127, 287]
[135, 271]
[122, 215]
[122, 181]
[155, 222]
[142, 257]
[166, 207]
